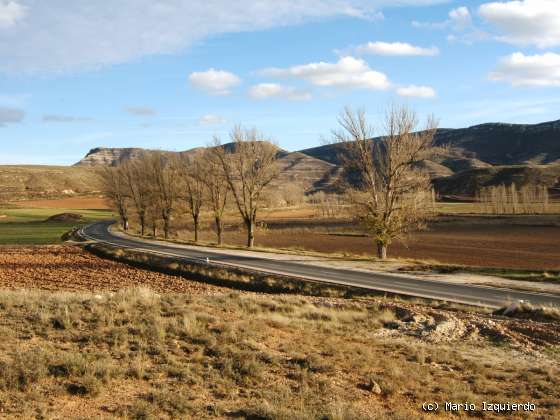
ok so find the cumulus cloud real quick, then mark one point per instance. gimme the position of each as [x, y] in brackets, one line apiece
[348, 72]
[141, 111]
[211, 119]
[63, 35]
[395, 49]
[11, 12]
[458, 20]
[56, 118]
[10, 115]
[529, 70]
[459, 23]
[215, 82]
[275, 90]
[525, 22]
[425, 92]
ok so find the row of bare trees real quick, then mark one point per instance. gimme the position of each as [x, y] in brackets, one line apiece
[157, 184]
[502, 199]
[388, 194]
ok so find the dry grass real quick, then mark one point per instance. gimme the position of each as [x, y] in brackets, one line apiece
[139, 354]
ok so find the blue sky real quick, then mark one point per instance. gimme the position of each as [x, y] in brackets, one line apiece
[171, 74]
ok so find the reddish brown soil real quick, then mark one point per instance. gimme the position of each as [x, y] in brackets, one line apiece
[69, 268]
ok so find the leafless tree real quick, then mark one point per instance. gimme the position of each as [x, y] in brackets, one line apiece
[248, 168]
[217, 190]
[153, 216]
[136, 177]
[391, 197]
[292, 194]
[502, 199]
[114, 186]
[193, 186]
[164, 177]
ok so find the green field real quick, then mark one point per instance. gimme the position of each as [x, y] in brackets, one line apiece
[28, 226]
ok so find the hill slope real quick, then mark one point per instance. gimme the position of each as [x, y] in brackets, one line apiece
[486, 154]
[39, 181]
[485, 144]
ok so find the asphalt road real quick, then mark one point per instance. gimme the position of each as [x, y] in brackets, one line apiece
[404, 285]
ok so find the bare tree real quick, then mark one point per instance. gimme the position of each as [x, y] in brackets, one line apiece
[191, 172]
[136, 177]
[391, 196]
[114, 186]
[248, 168]
[153, 216]
[217, 190]
[164, 177]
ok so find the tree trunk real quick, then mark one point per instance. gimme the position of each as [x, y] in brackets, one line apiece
[381, 250]
[166, 227]
[250, 233]
[219, 230]
[142, 224]
[195, 220]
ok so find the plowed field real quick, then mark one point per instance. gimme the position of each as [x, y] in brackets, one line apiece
[60, 267]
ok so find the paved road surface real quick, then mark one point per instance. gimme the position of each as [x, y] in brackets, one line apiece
[405, 285]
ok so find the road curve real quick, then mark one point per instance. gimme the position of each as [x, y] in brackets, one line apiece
[400, 284]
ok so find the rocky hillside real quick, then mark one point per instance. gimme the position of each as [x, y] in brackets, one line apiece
[483, 155]
[483, 146]
[38, 181]
[306, 171]
[109, 156]
[468, 158]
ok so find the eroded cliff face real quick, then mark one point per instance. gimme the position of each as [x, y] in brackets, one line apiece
[102, 156]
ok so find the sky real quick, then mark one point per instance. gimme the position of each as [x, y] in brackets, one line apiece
[171, 74]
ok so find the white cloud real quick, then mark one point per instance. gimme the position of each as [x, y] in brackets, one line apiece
[529, 70]
[460, 23]
[348, 72]
[526, 22]
[140, 111]
[394, 48]
[10, 115]
[215, 82]
[211, 119]
[63, 35]
[56, 118]
[10, 13]
[458, 20]
[274, 90]
[416, 91]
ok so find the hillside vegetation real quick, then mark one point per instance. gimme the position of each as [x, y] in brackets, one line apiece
[137, 354]
[37, 181]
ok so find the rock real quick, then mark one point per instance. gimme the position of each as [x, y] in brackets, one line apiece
[371, 386]
[375, 388]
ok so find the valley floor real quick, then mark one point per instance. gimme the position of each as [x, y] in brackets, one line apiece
[84, 341]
